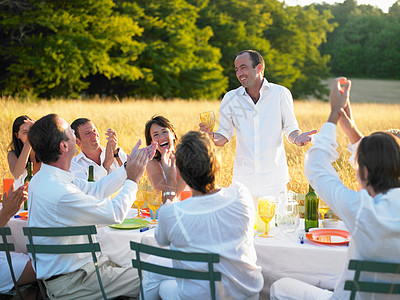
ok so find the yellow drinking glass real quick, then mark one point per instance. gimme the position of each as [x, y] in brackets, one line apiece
[266, 211]
[323, 208]
[154, 202]
[208, 119]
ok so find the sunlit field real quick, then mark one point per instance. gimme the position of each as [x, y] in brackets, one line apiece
[128, 118]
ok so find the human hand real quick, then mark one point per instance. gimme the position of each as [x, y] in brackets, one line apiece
[304, 138]
[12, 201]
[340, 93]
[204, 128]
[169, 167]
[138, 159]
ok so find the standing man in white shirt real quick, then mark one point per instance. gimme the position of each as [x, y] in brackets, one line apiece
[57, 198]
[104, 160]
[260, 112]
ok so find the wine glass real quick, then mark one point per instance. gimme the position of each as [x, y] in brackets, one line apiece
[141, 197]
[154, 201]
[323, 208]
[266, 211]
[208, 119]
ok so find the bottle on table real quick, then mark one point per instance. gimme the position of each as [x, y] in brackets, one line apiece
[91, 174]
[311, 209]
[28, 179]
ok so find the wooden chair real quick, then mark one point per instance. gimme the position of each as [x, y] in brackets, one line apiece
[356, 285]
[7, 247]
[209, 258]
[89, 247]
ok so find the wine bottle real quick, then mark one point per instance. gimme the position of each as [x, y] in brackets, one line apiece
[91, 174]
[28, 179]
[311, 209]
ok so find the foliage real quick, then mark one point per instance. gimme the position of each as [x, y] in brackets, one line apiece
[50, 46]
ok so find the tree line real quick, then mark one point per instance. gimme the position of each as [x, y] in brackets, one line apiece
[186, 48]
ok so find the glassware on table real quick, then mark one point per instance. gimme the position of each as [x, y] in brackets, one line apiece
[8, 181]
[154, 201]
[266, 211]
[323, 208]
[288, 219]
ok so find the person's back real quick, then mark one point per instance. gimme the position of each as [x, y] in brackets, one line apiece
[220, 223]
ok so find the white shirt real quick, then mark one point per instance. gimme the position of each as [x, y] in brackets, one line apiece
[20, 181]
[221, 223]
[80, 165]
[260, 158]
[57, 199]
[373, 222]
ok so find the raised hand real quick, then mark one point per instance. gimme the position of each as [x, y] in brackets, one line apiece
[12, 201]
[304, 138]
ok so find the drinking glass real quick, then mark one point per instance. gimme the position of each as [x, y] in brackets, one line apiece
[208, 119]
[154, 202]
[8, 180]
[141, 197]
[323, 208]
[288, 219]
[266, 211]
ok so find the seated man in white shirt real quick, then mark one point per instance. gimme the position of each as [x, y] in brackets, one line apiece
[22, 265]
[217, 220]
[56, 198]
[104, 160]
[371, 214]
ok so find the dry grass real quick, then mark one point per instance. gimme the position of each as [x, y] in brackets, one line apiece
[128, 118]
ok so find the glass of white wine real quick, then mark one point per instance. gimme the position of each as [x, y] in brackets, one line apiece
[154, 201]
[208, 119]
[266, 211]
[323, 208]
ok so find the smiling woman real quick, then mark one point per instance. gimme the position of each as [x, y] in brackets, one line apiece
[161, 170]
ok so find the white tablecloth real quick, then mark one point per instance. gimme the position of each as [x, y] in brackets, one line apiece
[280, 256]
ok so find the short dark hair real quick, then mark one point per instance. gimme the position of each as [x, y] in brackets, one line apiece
[78, 122]
[160, 121]
[45, 136]
[256, 58]
[380, 154]
[197, 162]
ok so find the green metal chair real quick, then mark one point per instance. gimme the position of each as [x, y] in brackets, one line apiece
[89, 247]
[209, 258]
[7, 247]
[356, 285]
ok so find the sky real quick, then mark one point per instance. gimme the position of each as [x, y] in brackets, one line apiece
[382, 4]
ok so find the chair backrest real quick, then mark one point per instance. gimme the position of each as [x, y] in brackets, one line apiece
[359, 266]
[89, 247]
[209, 258]
[7, 247]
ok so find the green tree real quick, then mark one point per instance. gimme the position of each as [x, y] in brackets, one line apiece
[178, 59]
[50, 47]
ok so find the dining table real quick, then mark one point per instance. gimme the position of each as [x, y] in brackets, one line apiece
[284, 255]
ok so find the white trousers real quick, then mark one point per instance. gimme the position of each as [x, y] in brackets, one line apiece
[292, 289]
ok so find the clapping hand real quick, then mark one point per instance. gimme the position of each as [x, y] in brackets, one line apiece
[138, 160]
[12, 201]
[339, 97]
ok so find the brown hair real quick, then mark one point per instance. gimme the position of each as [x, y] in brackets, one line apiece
[380, 154]
[197, 162]
[256, 58]
[160, 121]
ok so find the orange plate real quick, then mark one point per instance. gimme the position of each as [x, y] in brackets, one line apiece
[329, 236]
[23, 215]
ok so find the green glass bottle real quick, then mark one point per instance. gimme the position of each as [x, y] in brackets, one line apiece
[311, 209]
[28, 179]
[91, 174]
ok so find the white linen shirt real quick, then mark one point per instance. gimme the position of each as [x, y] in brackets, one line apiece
[260, 158]
[80, 165]
[221, 223]
[57, 198]
[373, 222]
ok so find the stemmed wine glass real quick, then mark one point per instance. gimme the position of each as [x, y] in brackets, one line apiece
[141, 197]
[208, 119]
[323, 209]
[154, 201]
[266, 211]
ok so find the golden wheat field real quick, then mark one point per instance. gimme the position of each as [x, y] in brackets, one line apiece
[128, 117]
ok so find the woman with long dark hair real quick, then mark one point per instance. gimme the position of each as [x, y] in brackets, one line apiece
[161, 170]
[21, 151]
